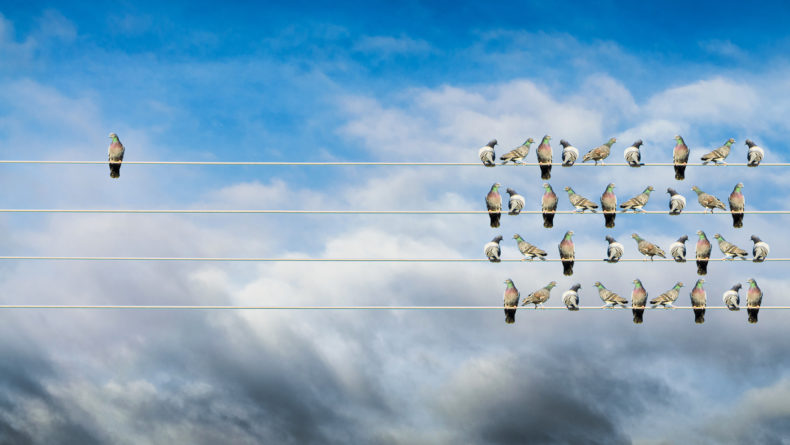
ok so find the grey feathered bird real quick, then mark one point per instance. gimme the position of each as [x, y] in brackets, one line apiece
[676, 202]
[511, 301]
[517, 154]
[760, 249]
[730, 250]
[567, 253]
[600, 152]
[540, 296]
[678, 249]
[632, 154]
[667, 298]
[544, 155]
[569, 153]
[492, 250]
[610, 298]
[115, 155]
[494, 205]
[614, 251]
[737, 203]
[637, 202]
[754, 298]
[708, 201]
[680, 157]
[548, 205]
[731, 298]
[699, 299]
[486, 153]
[516, 202]
[571, 297]
[609, 205]
[638, 300]
[580, 202]
[529, 251]
[718, 155]
[755, 154]
[702, 253]
[647, 248]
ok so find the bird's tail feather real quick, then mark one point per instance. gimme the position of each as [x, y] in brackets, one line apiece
[609, 220]
[545, 171]
[680, 172]
[638, 315]
[510, 316]
[737, 220]
[115, 170]
[699, 316]
[752, 314]
[494, 219]
[567, 267]
[548, 220]
[702, 267]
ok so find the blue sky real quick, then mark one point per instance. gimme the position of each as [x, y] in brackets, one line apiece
[413, 82]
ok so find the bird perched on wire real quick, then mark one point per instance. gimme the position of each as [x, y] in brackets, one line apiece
[754, 155]
[487, 155]
[737, 203]
[580, 202]
[548, 205]
[637, 202]
[702, 253]
[544, 157]
[731, 298]
[667, 298]
[517, 154]
[599, 153]
[569, 153]
[632, 154]
[638, 300]
[698, 301]
[647, 248]
[614, 251]
[680, 157]
[511, 301]
[609, 298]
[516, 202]
[678, 249]
[676, 202]
[492, 250]
[708, 201]
[494, 205]
[760, 249]
[609, 205]
[718, 155]
[115, 155]
[529, 251]
[540, 296]
[754, 298]
[730, 250]
[567, 253]
[571, 297]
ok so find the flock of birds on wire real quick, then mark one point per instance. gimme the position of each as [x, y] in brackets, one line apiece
[614, 252]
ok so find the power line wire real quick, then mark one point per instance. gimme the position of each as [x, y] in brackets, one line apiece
[342, 260]
[207, 307]
[368, 212]
[367, 163]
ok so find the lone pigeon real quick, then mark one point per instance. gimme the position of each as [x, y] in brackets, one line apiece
[632, 154]
[736, 205]
[637, 202]
[529, 251]
[569, 153]
[638, 300]
[698, 301]
[647, 248]
[680, 156]
[609, 206]
[677, 202]
[718, 155]
[610, 298]
[571, 297]
[487, 154]
[731, 298]
[511, 300]
[754, 298]
[115, 155]
[614, 251]
[667, 298]
[517, 154]
[544, 157]
[516, 202]
[702, 253]
[567, 253]
[599, 153]
[548, 206]
[730, 250]
[540, 296]
[708, 201]
[494, 205]
[755, 154]
[678, 249]
[760, 249]
[580, 202]
[492, 249]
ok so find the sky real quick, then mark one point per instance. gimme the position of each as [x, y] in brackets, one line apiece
[416, 81]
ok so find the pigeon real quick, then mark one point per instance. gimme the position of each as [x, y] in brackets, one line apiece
[719, 154]
[610, 298]
[569, 153]
[571, 297]
[529, 251]
[516, 202]
[115, 155]
[494, 205]
[647, 248]
[755, 154]
[599, 153]
[736, 205]
[548, 205]
[609, 206]
[708, 201]
[540, 296]
[731, 298]
[492, 249]
[511, 300]
[754, 297]
[614, 251]
[680, 156]
[632, 154]
[567, 253]
[544, 157]
[517, 154]
[637, 202]
[698, 300]
[760, 249]
[580, 202]
[676, 202]
[703, 253]
[667, 298]
[638, 300]
[730, 250]
[678, 249]
[486, 153]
